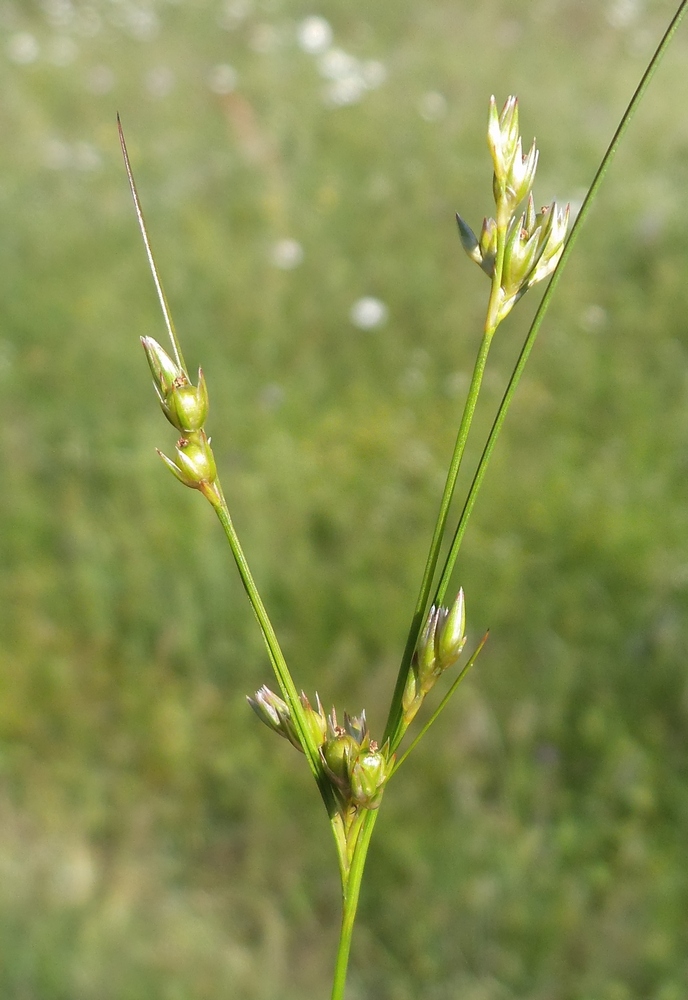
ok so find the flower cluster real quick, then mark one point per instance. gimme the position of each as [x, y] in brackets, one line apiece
[439, 647]
[356, 768]
[514, 173]
[186, 407]
[524, 248]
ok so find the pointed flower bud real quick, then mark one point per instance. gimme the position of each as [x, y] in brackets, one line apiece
[554, 244]
[368, 773]
[488, 246]
[516, 184]
[357, 727]
[164, 370]
[520, 255]
[184, 405]
[195, 464]
[275, 713]
[502, 136]
[316, 719]
[337, 754]
[484, 250]
[427, 644]
[534, 244]
[353, 763]
[412, 697]
[439, 647]
[521, 175]
[469, 241]
[514, 173]
[452, 637]
[187, 405]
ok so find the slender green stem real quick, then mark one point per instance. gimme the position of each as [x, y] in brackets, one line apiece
[394, 729]
[394, 716]
[351, 888]
[215, 496]
[546, 299]
[339, 834]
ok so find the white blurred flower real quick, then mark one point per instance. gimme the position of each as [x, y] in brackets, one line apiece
[594, 318]
[62, 50]
[314, 35]
[413, 382]
[368, 313]
[86, 156]
[349, 90]
[59, 13]
[100, 80]
[349, 77]
[374, 73]
[61, 155]
[57, 154]
[432, 106]
[159, 81]
[271, 397]
[233, 13]
[622, 13]
[222, 79]
[456, 384]
[23, 48]
[336, 64]
[142, 23]
[286, 254]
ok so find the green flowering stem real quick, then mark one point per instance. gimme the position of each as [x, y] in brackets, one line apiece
[351, 888]
[546, 299]
[394, 729]
[206, 481]
[395, 712]
[215, 496]
[442, 705]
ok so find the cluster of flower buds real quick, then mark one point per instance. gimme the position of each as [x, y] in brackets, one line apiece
[352, 761]
[514, 173]
[355, 765]
[532, 242]
[439, 647]
[186, 407]
[276, 714]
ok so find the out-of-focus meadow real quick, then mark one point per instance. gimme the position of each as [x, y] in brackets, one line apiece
[155, 840]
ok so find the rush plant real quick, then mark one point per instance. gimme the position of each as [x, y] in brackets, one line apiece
[516, 247]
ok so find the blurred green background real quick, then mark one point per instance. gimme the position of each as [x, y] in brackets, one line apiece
[155, 840]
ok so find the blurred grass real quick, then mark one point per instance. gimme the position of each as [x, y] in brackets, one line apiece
[154, 842]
